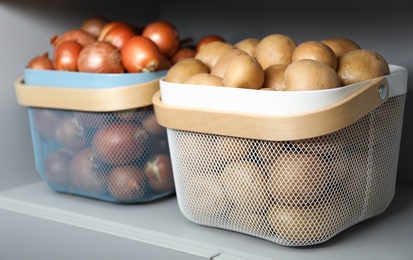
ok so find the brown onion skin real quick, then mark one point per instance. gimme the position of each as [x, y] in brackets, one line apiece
[183, 53]
[100, 57]
[94, 24]
[41, 62]
[45, 121]
[207, 39]
[56, 168]
[82, 37]
[127, 183]
[118, 36]
[165, 35]
[140, 54]
[65, 56]
[120, 143]
[70, 134]
[158, 170]
[164, 63]
[114, 24]
[87, 173]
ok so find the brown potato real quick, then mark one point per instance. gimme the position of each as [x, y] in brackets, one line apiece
[275, 49]
[204, 79]
[184, 69]
[341, 45]
[222, 64]
[210, 53]
[248, 45]
[309, 225]
[244, 71]
[274, 77]
[229, 148]
[297, 178]
[245, 185]
[316, 51]
[205, 200]
[310, 74]
[360, 65]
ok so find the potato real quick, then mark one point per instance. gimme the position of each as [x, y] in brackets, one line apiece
[309, 225]
[297, 178]
[360, 65]
[229, 148]
[275, 49]
[307, 74]
[204, 201]
[245, 185]
[248, 45]
[244, 71]
[341, 45]
[184, 69]
[221, 65]
[316, 51]
[274, 77]
[212, 51]
[204, 79]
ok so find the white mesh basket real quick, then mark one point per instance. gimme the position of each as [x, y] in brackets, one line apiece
[277, 186]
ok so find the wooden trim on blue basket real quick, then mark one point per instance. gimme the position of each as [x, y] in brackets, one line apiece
[92, 100]
[275, 128]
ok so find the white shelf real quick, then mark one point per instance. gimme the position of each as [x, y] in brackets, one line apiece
[160, 226]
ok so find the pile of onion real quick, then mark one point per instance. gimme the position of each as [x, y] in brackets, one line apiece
[103, 46]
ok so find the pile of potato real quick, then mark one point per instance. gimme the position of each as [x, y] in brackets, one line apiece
[277, 62]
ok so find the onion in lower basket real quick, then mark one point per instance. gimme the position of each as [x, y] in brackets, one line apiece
[86, 175]
[56, 168]
[120, 143]
[126, 183]
[158, 169]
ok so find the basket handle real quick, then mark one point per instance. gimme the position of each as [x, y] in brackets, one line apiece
[93, 100]
[276, 128]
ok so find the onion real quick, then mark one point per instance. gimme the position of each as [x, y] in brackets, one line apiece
[164, 63]
[118, 36]
[140, 54]
[109, 26]
[183, 53]
[41, 62]
[100, 57]
[207, 39]
[83, 38]
[94, 24]
[66, 55]
[165, 35]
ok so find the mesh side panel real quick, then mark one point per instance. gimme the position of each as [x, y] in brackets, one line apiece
[294, 193]
[114, 156]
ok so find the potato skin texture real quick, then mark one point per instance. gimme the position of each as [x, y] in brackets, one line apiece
[360, 65]
[244, 71]
[307, 74]
[184, 69]
[275, 49]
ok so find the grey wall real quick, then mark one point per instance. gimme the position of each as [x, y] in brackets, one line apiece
[26, 26]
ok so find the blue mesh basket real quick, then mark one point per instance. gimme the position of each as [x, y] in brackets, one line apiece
[119, 156]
